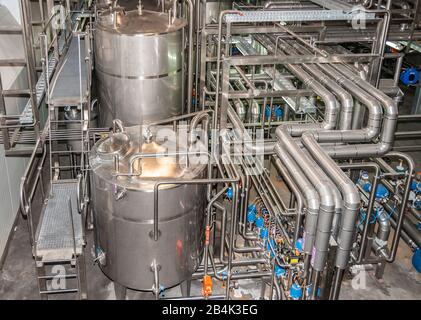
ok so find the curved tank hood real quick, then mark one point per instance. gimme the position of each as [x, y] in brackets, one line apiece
[146, 170]
[135, 23]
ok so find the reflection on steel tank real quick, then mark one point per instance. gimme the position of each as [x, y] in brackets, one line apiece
[123, 202]
[138, 65]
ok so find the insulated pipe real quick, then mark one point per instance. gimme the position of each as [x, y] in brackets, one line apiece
[386, 137]
[336, 196]
[350, 195]
[331, 104]
[323, 187]
[372, 128]
[391, 111]
[383, 230]
[310, 195]
[375, 111]
[347, 102]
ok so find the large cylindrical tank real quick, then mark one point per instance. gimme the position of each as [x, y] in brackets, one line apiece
[124, 212]
[138, 62]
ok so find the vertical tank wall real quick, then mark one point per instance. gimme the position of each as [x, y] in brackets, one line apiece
[139, 66]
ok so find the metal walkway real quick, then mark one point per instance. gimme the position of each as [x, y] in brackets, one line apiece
[60, 235]
[69, 85]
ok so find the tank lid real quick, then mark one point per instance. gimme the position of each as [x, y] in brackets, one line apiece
[166, 167]
[141, 163]
[116, 143]
[133, 22]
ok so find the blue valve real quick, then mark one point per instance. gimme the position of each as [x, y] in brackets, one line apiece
[259, 222]
[295, 291]
[277, 111]
[381, 191]
[416, 187]
[410, 76]
[229, 193]
[264, 233]
[267, 113]
[417, 204]
[367, 187]
[252, 208]
[299, 244]
[251, 217]
[416, 260]
[279, 271]
[251, 213]
[270, 246]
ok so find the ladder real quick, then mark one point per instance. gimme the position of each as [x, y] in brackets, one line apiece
[10, 124]
[58, 239]
[19, 132]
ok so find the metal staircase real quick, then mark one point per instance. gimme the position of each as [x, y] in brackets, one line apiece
[57, 228]
[60, 241]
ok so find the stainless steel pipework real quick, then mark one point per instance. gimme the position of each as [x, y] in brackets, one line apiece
[327, 202]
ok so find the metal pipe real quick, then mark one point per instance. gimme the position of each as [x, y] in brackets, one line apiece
[190, 56]
[350, 195]
[386, 137]
[218, 63]
[310, 194]
[323, 187]
[331, 104]
[347, 102]
[298, 195]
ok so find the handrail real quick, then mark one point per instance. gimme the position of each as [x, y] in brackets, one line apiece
[27, 197]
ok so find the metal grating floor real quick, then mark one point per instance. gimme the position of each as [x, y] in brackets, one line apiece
[55, 234]
[69, 85]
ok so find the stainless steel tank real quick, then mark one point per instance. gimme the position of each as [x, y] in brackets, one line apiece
[124, 212]
[138, 65]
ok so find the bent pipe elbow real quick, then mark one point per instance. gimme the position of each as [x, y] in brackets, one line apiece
[331, 104]
[249, 146]
[373, 105]
[389, 105]
[359, 151]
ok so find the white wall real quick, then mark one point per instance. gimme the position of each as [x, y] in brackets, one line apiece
[11, 168]
[13, 7]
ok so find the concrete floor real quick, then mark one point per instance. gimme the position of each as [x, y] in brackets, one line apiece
[18, 279]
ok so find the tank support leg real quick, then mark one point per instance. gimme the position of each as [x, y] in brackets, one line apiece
[120, 291]
[185, 287]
